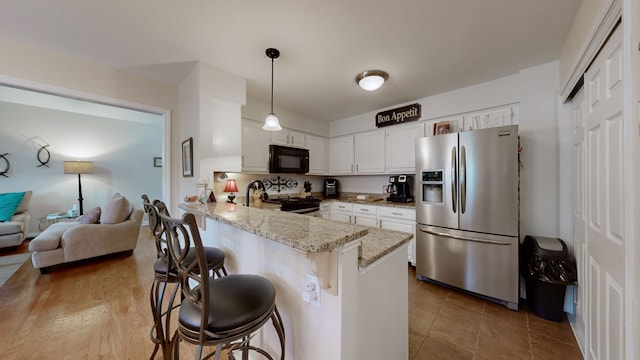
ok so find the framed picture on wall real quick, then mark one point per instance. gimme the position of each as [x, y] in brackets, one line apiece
[157, 162]
[187, 158]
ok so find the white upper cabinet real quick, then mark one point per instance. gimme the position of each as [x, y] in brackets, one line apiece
[370, 152]
[386, 151]
[489, 118]
[317, 155]
[255, 147]
[288, 137]
[401, 148]
[341, 155]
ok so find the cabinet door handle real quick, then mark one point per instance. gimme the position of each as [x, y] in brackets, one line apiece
[399, 214]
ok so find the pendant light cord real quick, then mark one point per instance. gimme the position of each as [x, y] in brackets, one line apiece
[272, 85]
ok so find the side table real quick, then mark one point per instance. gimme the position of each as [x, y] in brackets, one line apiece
[45, 222]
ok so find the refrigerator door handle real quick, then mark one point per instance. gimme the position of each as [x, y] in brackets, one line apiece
[463, 179]
[465, 238]
[454, 180]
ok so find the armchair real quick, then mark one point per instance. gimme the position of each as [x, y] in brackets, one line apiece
[14, 231]
[67, 242]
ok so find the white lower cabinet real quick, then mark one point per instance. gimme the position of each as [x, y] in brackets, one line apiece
[365, 215]
[341, 211]
[400, 219]
[325, 210]
[385, 217]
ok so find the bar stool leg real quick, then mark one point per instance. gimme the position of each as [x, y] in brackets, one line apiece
[157, 333]
[161, 336]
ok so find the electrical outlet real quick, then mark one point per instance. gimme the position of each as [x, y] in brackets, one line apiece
[311, 293]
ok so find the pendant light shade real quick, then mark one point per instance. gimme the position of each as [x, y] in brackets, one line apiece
[371, 80]
[272, 123]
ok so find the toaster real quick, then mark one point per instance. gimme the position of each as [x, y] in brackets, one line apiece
[330, 188]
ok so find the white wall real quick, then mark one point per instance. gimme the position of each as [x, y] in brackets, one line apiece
[535, 91]
[33, 67]
[257, 110]
[490, 94]
[210, 101]
[122, 153]
[538, 93]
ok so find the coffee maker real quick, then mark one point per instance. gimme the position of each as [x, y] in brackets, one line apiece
[400, 188]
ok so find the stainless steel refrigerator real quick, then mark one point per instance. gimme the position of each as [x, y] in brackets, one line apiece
[467, 211]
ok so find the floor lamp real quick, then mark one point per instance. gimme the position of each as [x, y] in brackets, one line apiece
[78, 167]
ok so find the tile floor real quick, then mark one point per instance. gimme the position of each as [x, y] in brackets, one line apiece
[447, 324]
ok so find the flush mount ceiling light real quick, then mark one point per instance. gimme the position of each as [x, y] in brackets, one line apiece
[371, 80]
[272, 123]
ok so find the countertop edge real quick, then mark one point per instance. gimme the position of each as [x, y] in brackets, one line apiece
[380, 242]
[230, 218]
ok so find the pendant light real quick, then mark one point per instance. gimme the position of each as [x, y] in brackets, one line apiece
[272, 123]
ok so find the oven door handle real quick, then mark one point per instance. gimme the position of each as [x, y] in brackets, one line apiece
[465, 238]
[304, 211]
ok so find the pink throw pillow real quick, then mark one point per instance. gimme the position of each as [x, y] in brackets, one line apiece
[90, 217]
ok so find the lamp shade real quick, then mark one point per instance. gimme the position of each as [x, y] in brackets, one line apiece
[78, 167]
[231, 186]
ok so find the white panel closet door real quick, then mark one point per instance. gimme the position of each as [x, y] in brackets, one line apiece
[604, 203]
[579, 212]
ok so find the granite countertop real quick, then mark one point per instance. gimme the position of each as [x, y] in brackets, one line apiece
[301, 232]
[381, 202]
[379, 242]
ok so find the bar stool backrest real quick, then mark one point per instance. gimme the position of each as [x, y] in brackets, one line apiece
[192, 271]
[157, 228]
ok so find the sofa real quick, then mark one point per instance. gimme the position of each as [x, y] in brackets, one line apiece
[14, 230]
[68, 242]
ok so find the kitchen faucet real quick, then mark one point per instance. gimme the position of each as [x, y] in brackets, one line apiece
[259, 184]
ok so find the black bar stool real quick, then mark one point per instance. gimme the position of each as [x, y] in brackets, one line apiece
[165, 273]
[223, 312]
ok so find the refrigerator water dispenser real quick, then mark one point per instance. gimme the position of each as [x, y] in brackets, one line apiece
[432, 183]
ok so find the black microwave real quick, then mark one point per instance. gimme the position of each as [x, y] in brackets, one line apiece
[284, 159]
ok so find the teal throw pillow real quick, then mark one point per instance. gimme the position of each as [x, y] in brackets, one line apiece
[9, 202]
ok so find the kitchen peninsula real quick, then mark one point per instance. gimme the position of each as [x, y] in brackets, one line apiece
[362, 308]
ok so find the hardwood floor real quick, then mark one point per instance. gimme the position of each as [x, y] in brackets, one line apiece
[100, 310]
[95, 310]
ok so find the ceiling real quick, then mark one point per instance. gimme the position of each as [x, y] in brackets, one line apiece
[426, 46]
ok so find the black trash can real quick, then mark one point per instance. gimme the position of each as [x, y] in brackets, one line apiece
[547, 268]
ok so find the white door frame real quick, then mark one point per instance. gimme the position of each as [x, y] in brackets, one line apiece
[105, 100]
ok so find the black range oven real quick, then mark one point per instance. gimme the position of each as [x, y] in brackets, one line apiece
[306, 206]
